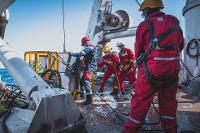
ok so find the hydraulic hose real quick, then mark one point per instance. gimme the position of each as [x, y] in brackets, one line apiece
[192, 45]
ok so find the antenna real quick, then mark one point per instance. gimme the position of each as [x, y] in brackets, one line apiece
[63, 16]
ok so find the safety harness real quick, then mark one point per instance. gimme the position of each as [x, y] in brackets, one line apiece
[153, 45]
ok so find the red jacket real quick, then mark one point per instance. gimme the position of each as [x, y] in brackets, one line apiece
[142, 33]
[162, 23]
[126, 57]
[110, 57]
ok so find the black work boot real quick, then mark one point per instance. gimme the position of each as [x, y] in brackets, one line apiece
[82, 95]
[123, 92]
[114, 93]
[88, 100]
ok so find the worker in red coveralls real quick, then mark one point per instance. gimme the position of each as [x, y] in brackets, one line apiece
[159, 40]
[112, 67]
[126, 59]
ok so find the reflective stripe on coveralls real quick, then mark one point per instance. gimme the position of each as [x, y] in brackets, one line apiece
[166, 117]
[165, 59]
[134, 120]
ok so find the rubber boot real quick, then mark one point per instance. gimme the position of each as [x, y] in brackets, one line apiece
[114, 93]
[88, 100]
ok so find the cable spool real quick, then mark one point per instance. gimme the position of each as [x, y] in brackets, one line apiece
[193, 45]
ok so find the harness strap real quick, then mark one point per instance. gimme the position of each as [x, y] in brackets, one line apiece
[168, 48]
[166, 33]
[154, 41]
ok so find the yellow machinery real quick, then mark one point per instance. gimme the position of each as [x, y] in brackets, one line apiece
[47, 62]
[42, 60]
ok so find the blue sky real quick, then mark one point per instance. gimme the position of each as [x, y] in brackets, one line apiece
[37, 24]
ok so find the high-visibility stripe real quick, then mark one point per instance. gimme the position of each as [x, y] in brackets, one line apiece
[165, 117]
[165, 58]
[134, 120]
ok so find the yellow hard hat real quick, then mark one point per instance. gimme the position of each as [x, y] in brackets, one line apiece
[106, 49]
[151, 4]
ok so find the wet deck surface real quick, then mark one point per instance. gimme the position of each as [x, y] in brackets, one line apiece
[101, 119]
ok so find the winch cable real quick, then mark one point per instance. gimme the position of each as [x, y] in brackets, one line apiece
[61, 60]
[192, 45]
[117, 114]
[121, 115]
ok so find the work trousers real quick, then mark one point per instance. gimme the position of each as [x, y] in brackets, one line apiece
[141, 101]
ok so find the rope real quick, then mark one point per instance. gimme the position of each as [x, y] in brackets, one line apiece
[117, 114]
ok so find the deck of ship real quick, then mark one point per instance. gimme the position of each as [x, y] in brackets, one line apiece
[101, 119]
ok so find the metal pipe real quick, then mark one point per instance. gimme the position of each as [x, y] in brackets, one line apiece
[5, 4]
[127, 33]
[26, 78]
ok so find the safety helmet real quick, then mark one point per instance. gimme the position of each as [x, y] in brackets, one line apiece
[106, 49]
[151, 4]
[84, 40]
[119, 44]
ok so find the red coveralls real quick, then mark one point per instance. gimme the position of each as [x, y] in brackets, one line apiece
[144, 92]
[111, 69]
[127, 58]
